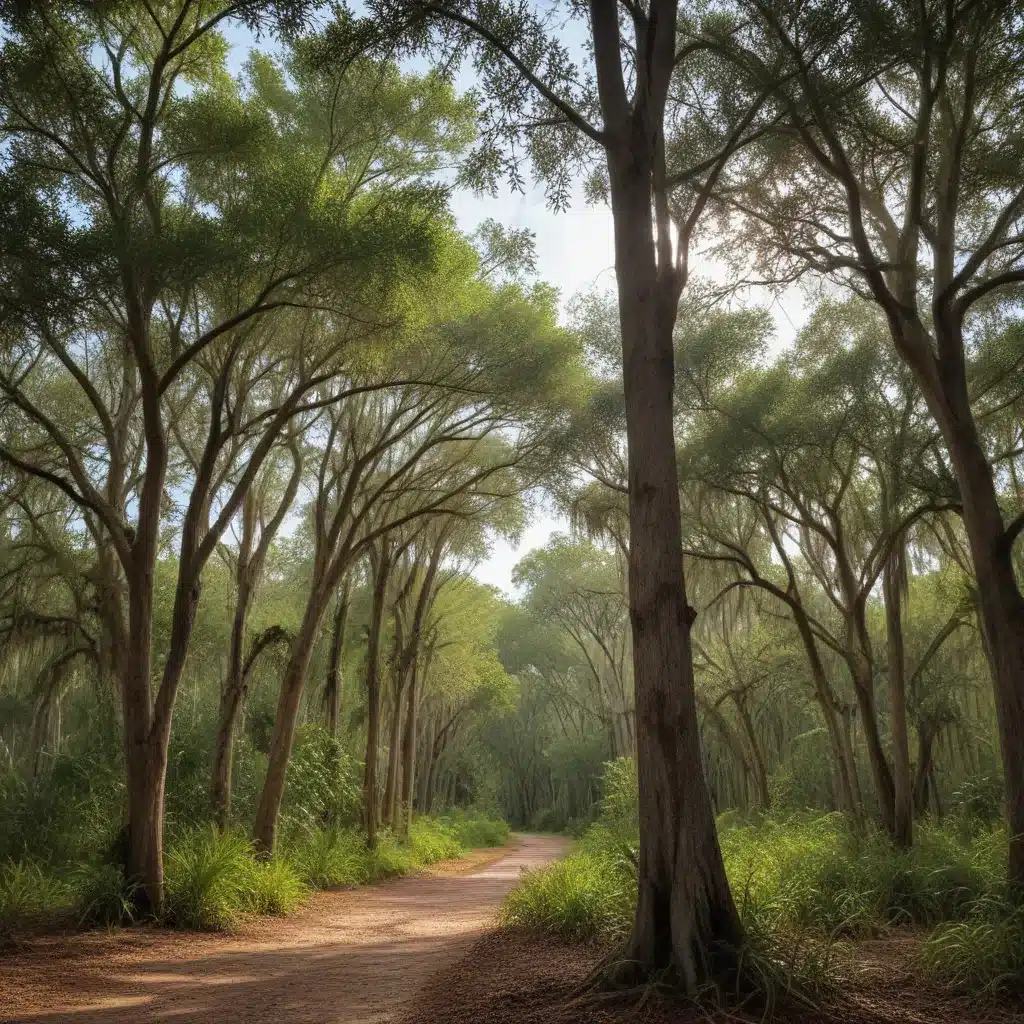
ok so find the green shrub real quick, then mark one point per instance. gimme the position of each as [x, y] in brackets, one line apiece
[475, 831]
[391, 858]
[325, 858]
[206, 875]
[432, 840]
[582, 897]
[103, 896]
[273, 887]
[816, 873]
[324, 787]
[31, 896]
[984, 953]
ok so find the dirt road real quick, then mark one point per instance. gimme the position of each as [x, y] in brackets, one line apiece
[350, 957]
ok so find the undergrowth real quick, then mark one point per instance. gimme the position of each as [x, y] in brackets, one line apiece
[213, 876]
[804, 884]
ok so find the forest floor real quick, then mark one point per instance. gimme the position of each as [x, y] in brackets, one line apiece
[416, 950]
[348, 957]
[510, 977]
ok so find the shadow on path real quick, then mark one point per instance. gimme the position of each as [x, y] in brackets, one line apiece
[350, 957]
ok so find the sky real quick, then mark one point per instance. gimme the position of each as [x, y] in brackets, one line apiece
[574, 252]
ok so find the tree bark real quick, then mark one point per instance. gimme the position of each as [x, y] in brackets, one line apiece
[685, 917]
[293, 680]
[382, 570]
[943, 382]
[903, 790]
[231, 699]
[333, 687]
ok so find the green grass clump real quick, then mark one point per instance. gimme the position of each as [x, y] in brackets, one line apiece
[103, 896]
[817, 874]
[273, 887]
[30, 897]
[582, 897]
[212, 876]
[328, 858]
[206, 874]
[983, 954]
[432, 840]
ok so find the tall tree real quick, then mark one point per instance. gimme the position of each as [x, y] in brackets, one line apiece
[174, 260]
[896, 170]
[630, 108]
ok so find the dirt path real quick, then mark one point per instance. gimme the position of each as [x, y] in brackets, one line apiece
[350, 957]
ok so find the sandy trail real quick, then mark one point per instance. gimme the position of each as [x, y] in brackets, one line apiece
[351, 957]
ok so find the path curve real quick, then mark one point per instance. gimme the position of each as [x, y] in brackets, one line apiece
[349, 957]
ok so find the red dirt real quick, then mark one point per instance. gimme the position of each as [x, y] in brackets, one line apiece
[350, 957]
[514, 978]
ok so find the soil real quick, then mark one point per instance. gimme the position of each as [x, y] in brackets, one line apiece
[514, 978]
[349, 957]
[418, 950]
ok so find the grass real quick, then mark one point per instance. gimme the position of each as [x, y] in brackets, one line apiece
[983, 954]
[584, 897]
[806, 884]
[212, 876]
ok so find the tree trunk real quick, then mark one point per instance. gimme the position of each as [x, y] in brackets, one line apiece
[293, 680]
[231, 697]
[999, 596]
[409, 753]
[333, 687]
[881, 775]
[760, 772]
[903, 792]
[382, 570]
[394, 756]
[685, 918]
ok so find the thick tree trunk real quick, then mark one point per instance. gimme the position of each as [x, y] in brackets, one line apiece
[903, 792]
[685, 919]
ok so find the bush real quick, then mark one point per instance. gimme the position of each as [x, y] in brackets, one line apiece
[103, 895]
[30, 896]
[584, 897]
[476, 831]
[273, 887]
[983, 954]
[206, 876]
[816, 874]
[324, 787]
[432, 840]
[326, 858]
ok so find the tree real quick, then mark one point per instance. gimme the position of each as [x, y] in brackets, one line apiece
[658, 175]
[182, 267]
[895, 170]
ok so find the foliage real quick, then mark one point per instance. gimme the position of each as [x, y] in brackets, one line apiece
[984, 953]
[801, 882]
[586, 896]
[323, 783]
[30, 896]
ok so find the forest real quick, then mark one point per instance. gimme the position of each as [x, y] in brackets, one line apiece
[742, 738]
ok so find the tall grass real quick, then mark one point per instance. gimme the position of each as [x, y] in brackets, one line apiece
[212, 876]
[801, 883]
